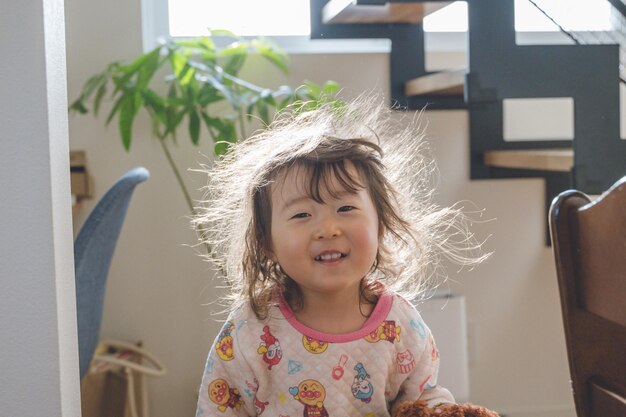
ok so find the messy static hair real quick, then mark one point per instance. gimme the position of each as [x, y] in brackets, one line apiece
[393, 164]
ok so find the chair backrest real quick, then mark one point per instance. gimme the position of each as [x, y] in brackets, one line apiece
[93, 251]
[589, 243]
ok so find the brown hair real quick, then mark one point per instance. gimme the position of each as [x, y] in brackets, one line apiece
[393, 164]
[328, 160]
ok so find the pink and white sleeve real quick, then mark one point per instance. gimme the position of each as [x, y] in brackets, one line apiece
[223, 391]
[422, 384]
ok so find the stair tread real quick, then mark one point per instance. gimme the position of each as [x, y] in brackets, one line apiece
[347, 11]
[451, 82]
[560, 160]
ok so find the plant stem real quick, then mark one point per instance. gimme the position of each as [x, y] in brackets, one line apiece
[241, 125]
[184, 189]
[182, 185]
[240, 111]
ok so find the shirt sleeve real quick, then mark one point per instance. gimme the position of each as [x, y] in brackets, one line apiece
[226, 390]
[421, 383]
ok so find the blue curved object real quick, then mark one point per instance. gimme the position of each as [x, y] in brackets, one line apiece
[93, 251]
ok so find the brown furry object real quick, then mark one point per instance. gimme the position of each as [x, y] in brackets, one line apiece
[421, 409]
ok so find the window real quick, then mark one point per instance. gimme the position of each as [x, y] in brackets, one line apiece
[288, 20]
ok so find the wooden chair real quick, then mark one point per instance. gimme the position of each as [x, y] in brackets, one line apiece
[589, 243]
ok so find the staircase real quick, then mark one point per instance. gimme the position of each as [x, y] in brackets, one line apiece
[497, 70]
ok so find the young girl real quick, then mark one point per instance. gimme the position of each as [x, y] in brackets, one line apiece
[322, 226]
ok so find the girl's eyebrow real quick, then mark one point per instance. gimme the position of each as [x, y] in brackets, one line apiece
[295, 200]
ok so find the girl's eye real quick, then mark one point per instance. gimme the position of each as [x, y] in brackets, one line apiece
[301, 216]
[345, 208]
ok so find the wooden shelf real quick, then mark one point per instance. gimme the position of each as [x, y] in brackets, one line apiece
[347, 11]
[443, 83]
[560, 160]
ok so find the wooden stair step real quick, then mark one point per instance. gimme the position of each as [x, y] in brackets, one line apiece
[450, 82]
[348, 11]
[560, 160]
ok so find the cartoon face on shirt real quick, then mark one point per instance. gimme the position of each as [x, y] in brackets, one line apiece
[224, 396]
[309, 392]
[224, 348]
[224, 343]
[387, 330]
[313, 345]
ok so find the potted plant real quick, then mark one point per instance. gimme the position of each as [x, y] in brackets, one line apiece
[204, 76]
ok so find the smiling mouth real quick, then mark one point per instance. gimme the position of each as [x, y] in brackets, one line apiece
[330, 256]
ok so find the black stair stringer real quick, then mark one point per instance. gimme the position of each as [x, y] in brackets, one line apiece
[500, 69]
[406, 60]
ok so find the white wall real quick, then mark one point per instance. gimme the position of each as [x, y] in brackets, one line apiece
[39, 357]
[158, 285]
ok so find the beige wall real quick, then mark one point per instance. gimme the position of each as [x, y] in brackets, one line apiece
[158, 288]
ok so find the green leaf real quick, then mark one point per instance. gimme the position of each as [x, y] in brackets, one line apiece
[250, 110]
[272, 53]
[222, 32]
[233, 48]
[268, 96]
[206, 43]
[263, 111]
[127, 115]
[99, 95]
[283, 103]
[228, 133]
[137, 102]
[147, 70]
[154, 99]
[234, 56]
[314, 90]
[211, 122]
[182, 70]
[208, 95]
[79, 106]
[221, 148]
[331, 88]
[158, 116]
[140, 61]
[115, 108]
[226, 92]
[226, 128]
[234, 63]
[194, 126]
[173, 120]
[93, 83]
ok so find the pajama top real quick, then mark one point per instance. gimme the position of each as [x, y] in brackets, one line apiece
[280, 368]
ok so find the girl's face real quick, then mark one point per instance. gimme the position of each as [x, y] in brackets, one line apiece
[326, 248]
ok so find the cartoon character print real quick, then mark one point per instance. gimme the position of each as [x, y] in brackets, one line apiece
[386, 331]
[270, 348]
[311, 394]
[313, 345]
[259, 406]
[224, 396]
[362, 388]
[224, 343]
[405, 362]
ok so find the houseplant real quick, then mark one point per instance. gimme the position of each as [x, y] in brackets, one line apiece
[203, 89]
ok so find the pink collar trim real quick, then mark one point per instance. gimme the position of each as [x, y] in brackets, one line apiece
[380, 312]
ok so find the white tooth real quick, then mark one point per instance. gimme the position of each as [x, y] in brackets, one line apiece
[329, 256]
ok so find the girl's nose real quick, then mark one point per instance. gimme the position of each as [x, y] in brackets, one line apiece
[327, 228]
